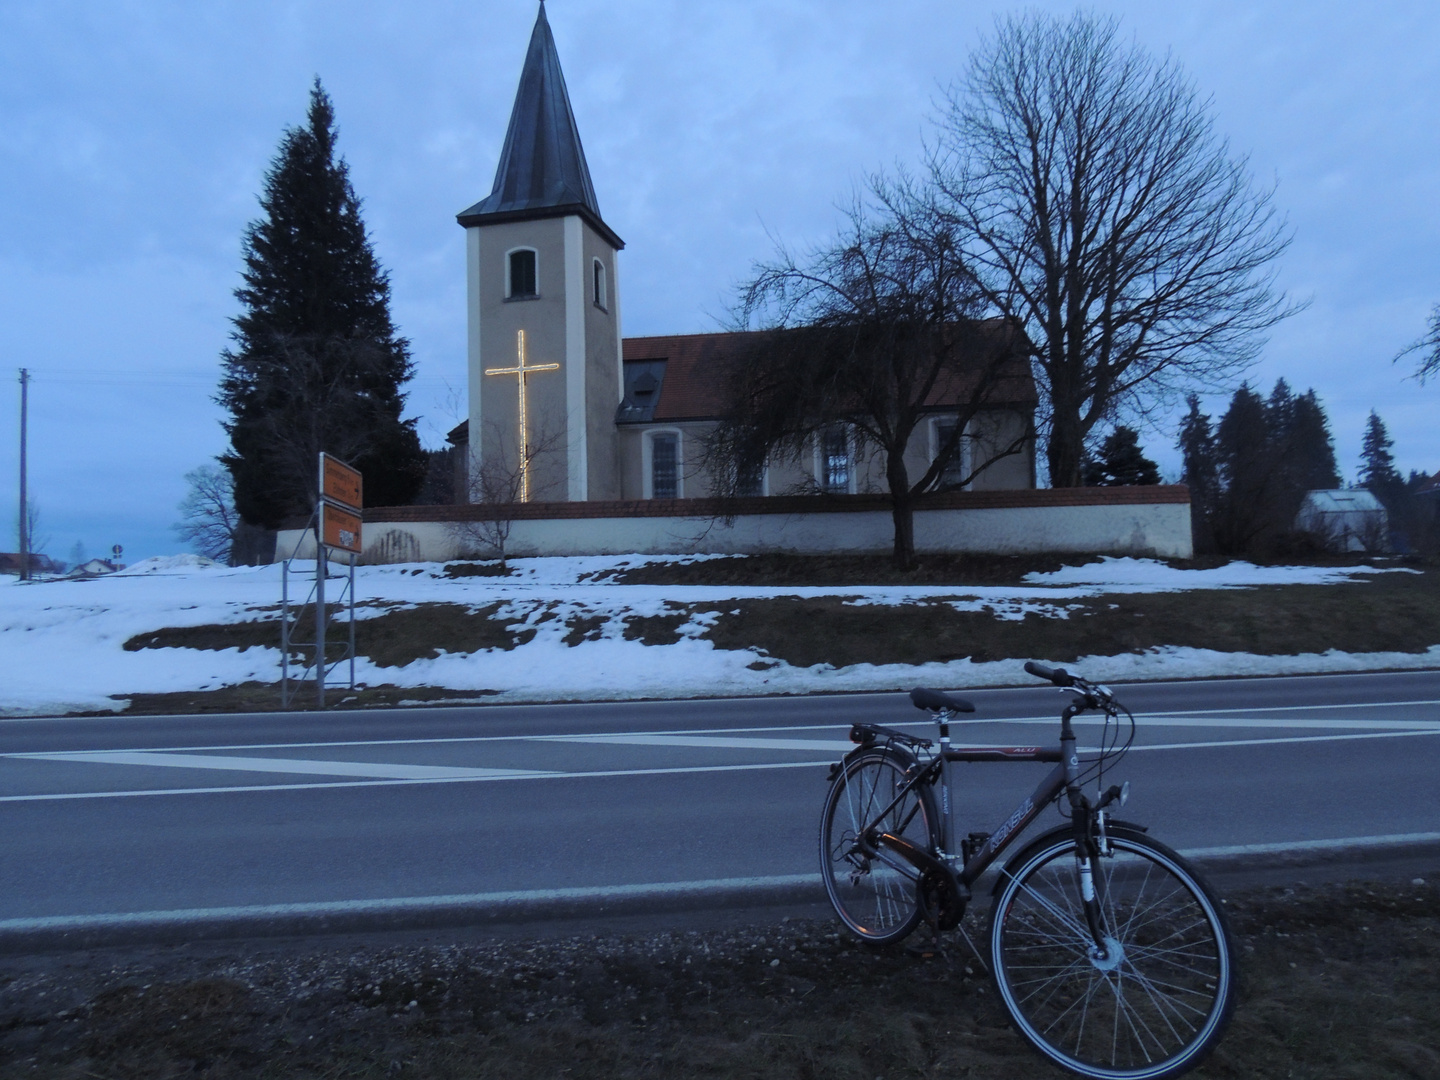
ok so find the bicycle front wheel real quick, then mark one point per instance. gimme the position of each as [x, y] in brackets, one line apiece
[1155, 1001]
[875, 897]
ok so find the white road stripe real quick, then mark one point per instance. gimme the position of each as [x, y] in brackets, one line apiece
[447, 775]
[1161, 719]
[1273, 742]
[709, 742]
[61, 796]
[1296, 846]
[594, 893]
[520, 897]
[289, 765]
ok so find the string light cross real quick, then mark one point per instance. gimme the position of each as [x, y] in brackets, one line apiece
[521, 370]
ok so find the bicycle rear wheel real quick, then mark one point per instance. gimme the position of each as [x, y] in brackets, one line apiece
[875, 898]
[1156, 1003]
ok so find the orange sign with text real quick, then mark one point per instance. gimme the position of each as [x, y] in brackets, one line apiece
[339, 528]
[340, 483]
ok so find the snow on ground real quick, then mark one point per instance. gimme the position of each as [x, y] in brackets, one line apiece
[61, 642]
[1147, 575]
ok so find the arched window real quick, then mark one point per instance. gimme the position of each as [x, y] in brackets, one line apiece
[521, 278]
[601, 296]
[957, 467]
[834, 461]
[663, 465]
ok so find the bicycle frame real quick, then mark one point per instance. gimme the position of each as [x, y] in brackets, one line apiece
[1063, 778]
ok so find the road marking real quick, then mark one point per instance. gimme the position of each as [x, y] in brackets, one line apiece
[712, 742]
[519, 898]
[433, 774]
[1298, 708]
[1145, 720]
[61, 796]
[289, 765]
[1273, 742]
[581, 895]
[1296, 846]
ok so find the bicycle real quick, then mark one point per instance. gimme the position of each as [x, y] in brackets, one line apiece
[1109, 951]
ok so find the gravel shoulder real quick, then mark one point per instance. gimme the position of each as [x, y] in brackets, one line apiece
[1338, 980]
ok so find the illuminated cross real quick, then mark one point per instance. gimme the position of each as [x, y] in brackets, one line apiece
[520, 370]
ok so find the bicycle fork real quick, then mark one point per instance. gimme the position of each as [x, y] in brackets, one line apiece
[1084, 816]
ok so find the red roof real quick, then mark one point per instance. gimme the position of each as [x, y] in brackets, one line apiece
[693, 386]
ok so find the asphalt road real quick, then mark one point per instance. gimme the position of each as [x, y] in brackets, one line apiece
[352, 816]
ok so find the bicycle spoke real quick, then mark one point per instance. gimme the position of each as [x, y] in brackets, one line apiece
[1131, 1013]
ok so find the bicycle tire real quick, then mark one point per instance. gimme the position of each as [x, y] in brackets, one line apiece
[1152, 1009]
[877, 902]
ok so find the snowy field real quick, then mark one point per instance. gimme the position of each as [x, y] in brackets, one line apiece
[61, 642]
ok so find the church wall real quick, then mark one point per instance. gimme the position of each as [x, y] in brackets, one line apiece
[494, 418]
[991, 431]
[1151, 521]
[695, 481]
[602, 372]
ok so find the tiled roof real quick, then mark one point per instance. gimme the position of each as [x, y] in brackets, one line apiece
[693, 385]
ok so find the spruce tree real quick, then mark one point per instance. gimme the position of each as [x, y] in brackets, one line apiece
[1248, 470]
[1122, 463]
[1199, 472]
[1311, 446]
[316, 364]
[1377, 464]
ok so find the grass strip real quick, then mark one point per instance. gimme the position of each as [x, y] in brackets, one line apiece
[1337, 981]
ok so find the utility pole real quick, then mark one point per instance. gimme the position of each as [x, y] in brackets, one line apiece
[24, 502]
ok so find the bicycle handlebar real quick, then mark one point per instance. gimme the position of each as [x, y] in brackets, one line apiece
[1058, 676]
[1094, 695]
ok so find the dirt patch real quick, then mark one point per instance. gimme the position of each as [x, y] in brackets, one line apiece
[265, 697]
[1337, 981]
[1391, 612]
[584, 628]
[658, 629]
[394, 639]
[477, 569]
[843, 570]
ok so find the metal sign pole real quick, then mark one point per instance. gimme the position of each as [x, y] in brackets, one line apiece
[320, 572]
[24, 501]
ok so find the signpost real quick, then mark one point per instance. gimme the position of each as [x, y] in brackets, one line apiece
[338, 524]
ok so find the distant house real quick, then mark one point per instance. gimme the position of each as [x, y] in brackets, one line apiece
[39, 564]
[95, 568]
[1350, 519]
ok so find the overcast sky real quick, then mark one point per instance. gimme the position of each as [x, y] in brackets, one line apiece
[134, 138]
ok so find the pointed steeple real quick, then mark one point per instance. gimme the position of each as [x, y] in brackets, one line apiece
[542, 171]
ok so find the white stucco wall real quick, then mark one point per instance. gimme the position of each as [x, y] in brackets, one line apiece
[1161, 530]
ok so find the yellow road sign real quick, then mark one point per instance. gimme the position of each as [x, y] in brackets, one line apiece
[339, 528]
[340, 483]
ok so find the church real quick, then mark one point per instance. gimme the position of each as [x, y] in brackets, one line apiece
[563, 408]
[582, 441]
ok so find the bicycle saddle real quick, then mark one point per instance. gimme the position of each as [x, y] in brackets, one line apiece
[936, 700]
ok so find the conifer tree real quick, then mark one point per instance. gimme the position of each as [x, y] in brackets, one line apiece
[1122, 463]
[1312, 448]
[1377, 464]
[316, 364]
[1200, 472]
[1248, 470]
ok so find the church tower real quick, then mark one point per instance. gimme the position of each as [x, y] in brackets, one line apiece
[543, 304]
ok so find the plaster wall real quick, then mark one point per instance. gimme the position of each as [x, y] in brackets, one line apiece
[494, 399]
[1161, 530]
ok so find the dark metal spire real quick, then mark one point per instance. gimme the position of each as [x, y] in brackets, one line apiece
[542, 171]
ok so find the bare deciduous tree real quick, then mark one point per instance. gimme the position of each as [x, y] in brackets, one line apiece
[208, 520]
[874, 330]
[32, 541]
[494, 483]
[1099, 210]
[1429, 349]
